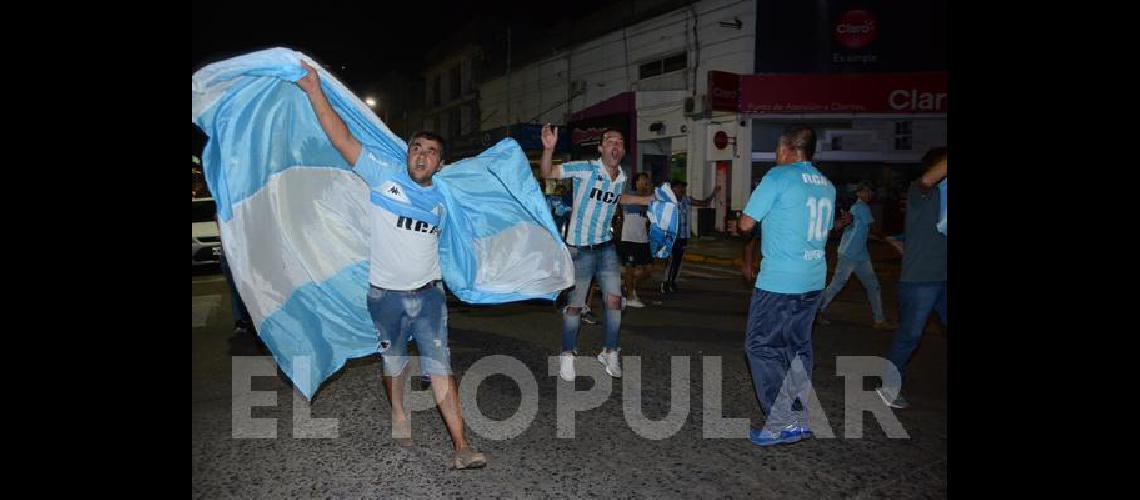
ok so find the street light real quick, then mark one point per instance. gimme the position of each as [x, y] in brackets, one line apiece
[370, 101]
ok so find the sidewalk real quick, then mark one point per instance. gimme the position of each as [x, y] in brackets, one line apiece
[721, 249]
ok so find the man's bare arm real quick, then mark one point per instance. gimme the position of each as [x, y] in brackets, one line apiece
[705, 202]
[746, 223]
[895, 243]
[933, 176]
[842, 222]
[746, 267]
[549, 140]
[333, 126]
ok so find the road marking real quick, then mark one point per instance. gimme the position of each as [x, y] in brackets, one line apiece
[211, 279]
[202, 307]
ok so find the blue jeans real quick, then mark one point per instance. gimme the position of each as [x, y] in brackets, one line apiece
[420, 314]
[867, 277]
[916, 301]
[779, 332]
[588, 262]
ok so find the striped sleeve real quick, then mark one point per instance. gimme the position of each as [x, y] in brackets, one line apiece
[579, 169]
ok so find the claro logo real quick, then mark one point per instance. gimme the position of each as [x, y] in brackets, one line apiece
[914, 100]
[864, 28]
[856, 29]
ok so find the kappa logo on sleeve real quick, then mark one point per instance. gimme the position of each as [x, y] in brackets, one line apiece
[392, 190]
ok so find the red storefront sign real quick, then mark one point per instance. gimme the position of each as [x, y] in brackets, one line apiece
[844, 93]
[724, 91]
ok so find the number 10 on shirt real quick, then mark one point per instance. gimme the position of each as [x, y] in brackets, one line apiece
[821, 211]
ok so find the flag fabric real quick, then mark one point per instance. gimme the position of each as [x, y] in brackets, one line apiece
[663, 222]
[294, 216]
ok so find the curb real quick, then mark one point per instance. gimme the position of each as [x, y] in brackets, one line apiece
[715, 261]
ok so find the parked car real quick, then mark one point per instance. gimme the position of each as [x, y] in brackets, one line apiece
[206, 242]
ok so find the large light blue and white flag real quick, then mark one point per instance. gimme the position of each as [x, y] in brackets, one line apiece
[663, 222]
[294, 215]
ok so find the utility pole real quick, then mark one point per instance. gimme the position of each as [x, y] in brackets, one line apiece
[508, 76]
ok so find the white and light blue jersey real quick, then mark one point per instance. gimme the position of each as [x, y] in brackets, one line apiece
[596, 198]
[406, 220]
[795, 205]
[853, 245]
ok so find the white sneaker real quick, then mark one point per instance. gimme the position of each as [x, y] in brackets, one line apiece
[892, 398]
[566, 370]
[609, 359]
[635, 302]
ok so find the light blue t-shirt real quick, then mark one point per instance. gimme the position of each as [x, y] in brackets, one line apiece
[853, 245]
[795, 205]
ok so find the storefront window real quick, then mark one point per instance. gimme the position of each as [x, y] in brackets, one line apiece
[765, 136]
[903, 136]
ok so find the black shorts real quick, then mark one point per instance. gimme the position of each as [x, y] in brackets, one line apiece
[634, 254]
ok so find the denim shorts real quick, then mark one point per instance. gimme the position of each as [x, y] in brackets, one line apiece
[420, 314]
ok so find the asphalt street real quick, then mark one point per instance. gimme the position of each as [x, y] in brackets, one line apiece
[340, 444]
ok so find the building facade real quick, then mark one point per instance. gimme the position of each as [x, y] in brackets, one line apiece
[702, 90]
[648, 79]
[451, 100]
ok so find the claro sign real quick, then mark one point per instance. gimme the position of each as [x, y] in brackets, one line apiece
[915, 100]
[856, 29]
[844, 93]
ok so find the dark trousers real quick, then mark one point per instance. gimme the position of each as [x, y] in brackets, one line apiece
[779, 332]
[675, 260]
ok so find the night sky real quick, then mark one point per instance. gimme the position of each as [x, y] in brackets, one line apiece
[358, 41]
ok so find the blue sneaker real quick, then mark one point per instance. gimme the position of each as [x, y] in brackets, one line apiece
[796, 432]
[763, 437]
[787, 435]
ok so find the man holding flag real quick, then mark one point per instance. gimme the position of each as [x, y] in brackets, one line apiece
[406, 296]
